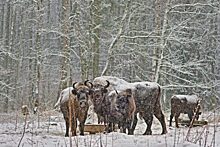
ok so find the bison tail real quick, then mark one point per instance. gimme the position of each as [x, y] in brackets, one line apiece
[59, 100]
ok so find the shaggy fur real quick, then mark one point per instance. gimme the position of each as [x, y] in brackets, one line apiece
[100, 102]
[123, 110]
[147, 98]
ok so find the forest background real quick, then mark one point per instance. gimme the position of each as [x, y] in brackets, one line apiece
[45, 45]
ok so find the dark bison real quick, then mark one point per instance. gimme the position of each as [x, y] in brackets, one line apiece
[187, 104]
[100, 102]
[147, 100]
[112, 107]
[122, 110]
[74, 105]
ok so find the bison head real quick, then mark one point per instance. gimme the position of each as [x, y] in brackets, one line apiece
[123, 101]
[98, 93]
[82, 92]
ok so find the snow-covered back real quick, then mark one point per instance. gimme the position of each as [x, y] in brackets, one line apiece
[120, 84]
[64, 96]
[189, 98]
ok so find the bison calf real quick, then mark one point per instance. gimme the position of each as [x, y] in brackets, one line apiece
[187, 104]
[123, 110]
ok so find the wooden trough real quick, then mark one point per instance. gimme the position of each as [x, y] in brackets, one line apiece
[94, 128]
[195, 123]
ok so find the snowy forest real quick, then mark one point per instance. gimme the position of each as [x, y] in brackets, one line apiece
[45, 45]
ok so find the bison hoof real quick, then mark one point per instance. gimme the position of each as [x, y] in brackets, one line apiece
[148, 133]
[130, 133]
[82, 134]
[66, 135]
[164, 132]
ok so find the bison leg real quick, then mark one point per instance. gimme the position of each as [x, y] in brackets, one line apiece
[148, 120]
[129, 127]
[124, 125]
[67, 127]
[176, 120]
[99, 119]
[171, 117]
[190, 115]
[109, 127]
[131, 131]
[74, 126]
[160, 116]
[81, 128]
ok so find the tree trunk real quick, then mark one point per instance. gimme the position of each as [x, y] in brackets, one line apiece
[95, 37]
[161, 42]
[65, 62]
[6, 37]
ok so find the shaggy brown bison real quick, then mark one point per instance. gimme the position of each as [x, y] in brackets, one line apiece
[74, 105]
[100, 102]
[123, 110]
[147, 100]
[187, 104]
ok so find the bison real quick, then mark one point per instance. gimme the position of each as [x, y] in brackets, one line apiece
[122, 110]
[187, 104]
[100, 102]
[112, 107]
[74, 105]
[146, 97]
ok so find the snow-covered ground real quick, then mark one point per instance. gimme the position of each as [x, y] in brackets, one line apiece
[47, 130]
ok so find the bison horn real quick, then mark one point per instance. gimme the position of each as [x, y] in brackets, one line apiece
[87, 81]
[116, 91]
[108, 83]
[91, 84]
[74, 85]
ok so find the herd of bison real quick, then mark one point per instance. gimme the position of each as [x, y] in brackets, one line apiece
[117, 101]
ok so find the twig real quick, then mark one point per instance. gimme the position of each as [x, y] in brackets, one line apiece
[38, 120]
[25, 122]
[214, 133]
[174, 142]
[48, 129]
[101, 140]
[200, 134]
[63, 137]
[192, 121]
[16, 121]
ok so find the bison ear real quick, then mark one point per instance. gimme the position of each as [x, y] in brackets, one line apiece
[74, 92]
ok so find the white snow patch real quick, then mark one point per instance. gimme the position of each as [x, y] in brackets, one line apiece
[50, 133]
[189, 98]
